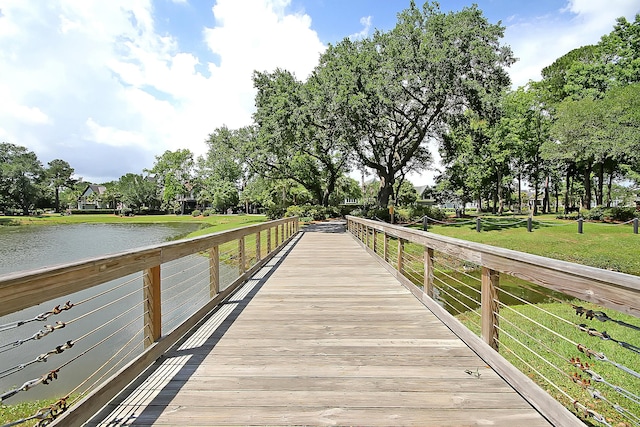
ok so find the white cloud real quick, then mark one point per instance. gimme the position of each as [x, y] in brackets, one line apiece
[113, 92]
[539, 41]
[366, 24]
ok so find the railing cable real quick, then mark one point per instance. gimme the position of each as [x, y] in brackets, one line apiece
[605, 336]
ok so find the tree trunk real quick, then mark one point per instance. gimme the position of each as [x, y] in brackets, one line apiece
[386, 190]
[600, 188]
[57, 200]
[586, 203]
[567, 187]
[500, 195]
[519, 192]
[609, 187]
[546, 207]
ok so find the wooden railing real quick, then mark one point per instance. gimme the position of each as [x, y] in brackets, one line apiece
[613, 290]
[246, 250]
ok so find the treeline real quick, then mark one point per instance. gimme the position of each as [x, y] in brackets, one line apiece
[375, 104]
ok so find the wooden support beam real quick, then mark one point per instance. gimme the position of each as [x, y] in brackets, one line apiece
[258, 248]
[214, 271]
[242, 266]
[489, 301]
[400, 256]
[153, 306]
[427, 286]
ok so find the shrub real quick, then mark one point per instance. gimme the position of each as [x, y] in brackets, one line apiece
[196, 212]
[295, 210]
[317, 213]
[206, 212]
[620, 214]
[126, 212]
[274, 212]
[595, 214]
[433, 212]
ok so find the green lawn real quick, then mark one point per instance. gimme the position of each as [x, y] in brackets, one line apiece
[602, 245]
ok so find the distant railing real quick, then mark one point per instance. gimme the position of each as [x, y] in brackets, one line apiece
[109, 318]
[490, 298]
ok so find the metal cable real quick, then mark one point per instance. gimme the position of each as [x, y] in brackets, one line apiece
[455, 279]
[537, 323]
[537, 307]
[89, 313]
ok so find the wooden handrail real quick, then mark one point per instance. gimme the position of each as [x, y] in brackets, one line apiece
[28, 288]
[610, 289]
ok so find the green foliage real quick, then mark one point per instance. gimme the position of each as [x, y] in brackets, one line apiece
[196, 212]
[595, 214]
[621, 214]
[173, 172]
[225, 196]
[315, 212]
[433, 212]
[126, 212]
[206, 212]
[137, 191]
[21, 176]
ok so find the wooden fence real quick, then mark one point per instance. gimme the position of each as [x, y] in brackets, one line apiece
[608, 289]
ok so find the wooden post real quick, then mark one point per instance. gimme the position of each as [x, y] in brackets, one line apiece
[635, 226]
[258, 255]
[268, 241]
[478, 224]
[490, 307]
[366, 236]
[386, 247]
[153, 306]
[580, 221]
[241, 256]
[214, 271]
[375, 241]
[400, 254]
[427, 286]
[277, 237]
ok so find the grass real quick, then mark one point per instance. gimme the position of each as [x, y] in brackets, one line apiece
[528, 340]
[601, 245]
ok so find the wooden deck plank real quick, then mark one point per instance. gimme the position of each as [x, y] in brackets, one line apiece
[330, 338]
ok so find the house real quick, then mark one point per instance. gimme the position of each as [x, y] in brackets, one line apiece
[91, 197]
[425, 196]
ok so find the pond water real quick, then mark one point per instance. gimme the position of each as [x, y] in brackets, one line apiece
[29, 247]
[25, 248]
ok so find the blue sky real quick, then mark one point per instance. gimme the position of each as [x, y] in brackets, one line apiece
[109, 85]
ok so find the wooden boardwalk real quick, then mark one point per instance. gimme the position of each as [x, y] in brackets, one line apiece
[328, 337]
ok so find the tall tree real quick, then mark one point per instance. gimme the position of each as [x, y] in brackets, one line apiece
[138, 191]
[396, 90]
[173, 171]
[299, 136]
[60, 176]
[21, 176]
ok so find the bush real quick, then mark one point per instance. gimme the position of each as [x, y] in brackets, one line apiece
[196, 212]
[274, 212]
[206, 212]
[126, 212]
[621, 214]
[91, 211]
[595, 214]
[433, 212]
[295, 210]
